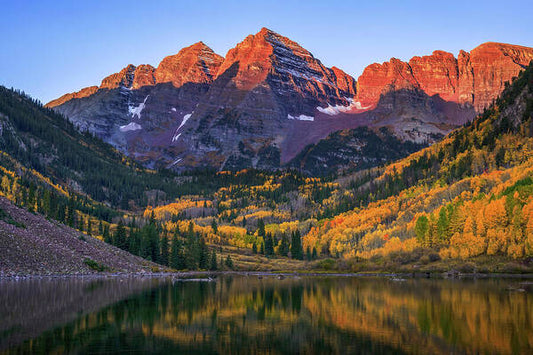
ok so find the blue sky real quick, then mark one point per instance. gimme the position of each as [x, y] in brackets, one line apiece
[53, 47]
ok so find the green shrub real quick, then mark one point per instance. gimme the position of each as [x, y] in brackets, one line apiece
[94, 265]
[326, 264]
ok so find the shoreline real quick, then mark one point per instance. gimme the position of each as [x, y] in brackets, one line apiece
[280, 274]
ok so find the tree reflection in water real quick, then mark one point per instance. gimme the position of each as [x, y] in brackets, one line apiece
[239, 314]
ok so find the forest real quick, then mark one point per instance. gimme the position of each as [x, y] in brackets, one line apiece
[466, 199]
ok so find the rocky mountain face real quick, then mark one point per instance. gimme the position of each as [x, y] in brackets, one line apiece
[138, 109]
[474, 78]
[265, 85]
[269, 98]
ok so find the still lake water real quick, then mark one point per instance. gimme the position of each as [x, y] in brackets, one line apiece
[248, 315]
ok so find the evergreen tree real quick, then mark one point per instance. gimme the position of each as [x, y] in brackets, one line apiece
[214, 265]
[254, 248]
[203, 259]
[261, 228]
[284, 245]
[262, 250]
[314, 255]
[191, 249]
[176, 256]
[134, 242]
[229, 262]
[106, 235]
[269, 245]
[120, 237]
[164, 250]
[150, 242]
[296, 246]
[308, 254]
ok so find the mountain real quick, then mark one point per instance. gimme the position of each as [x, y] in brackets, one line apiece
[187, 107]
[266, 87]
[138, 109]
[42, 146]
[269, 98]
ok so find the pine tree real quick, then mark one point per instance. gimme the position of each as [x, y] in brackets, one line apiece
[164, 250]
[314, 255]
[120, 237]
[254, 248]
[134, 242]
[308, 254]
[296, 246]
[262, 250]
[176, 256]
[191, 249]
[214, 265]
[106, 235]
[261, 228]
[284, 245]
[269, 245]
[203, 260]
[229, 262]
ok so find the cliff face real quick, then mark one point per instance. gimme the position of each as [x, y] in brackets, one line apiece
[269, 98]
[265, 84]
[474, 78]
[193, 64]
[200, 109]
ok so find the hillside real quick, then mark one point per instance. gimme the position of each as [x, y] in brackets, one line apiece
[467, 196]
[30, 244]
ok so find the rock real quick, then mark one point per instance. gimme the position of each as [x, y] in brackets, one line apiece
[270, 99]
[474, 78]
[194, 64]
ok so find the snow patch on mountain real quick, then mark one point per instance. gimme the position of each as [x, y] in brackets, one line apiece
[175, 162]
[132, 126]
[335, 110]
[136, 110]
[185, 118]
[301, 118]
[183, 121]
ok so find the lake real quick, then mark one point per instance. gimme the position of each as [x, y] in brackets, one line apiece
[252, 315]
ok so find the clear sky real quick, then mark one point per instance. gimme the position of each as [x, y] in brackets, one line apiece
[49, 48]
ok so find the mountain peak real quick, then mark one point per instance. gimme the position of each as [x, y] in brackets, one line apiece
[196, 63]
[124, 78]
